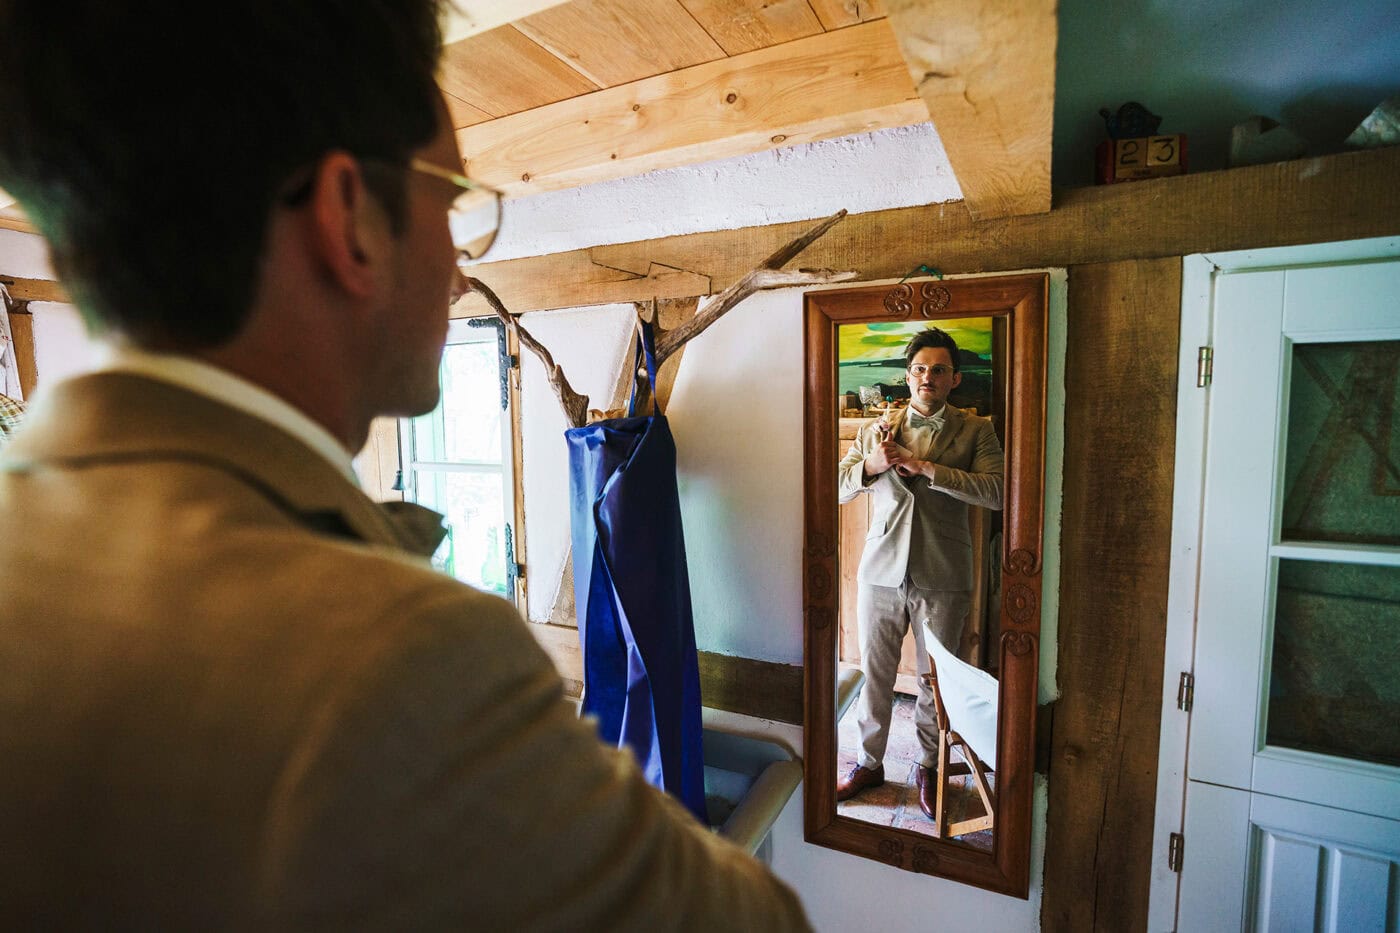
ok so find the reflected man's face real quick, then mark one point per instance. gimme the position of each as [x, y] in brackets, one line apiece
[931, 377]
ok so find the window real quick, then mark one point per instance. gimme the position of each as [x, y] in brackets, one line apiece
[459, 459]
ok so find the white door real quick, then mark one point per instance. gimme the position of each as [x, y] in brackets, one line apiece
[1292, 807]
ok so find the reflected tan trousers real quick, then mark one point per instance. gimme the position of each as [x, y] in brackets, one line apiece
[883, 615]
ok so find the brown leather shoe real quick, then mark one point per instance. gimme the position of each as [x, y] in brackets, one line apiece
[858, 780]
[927, 780]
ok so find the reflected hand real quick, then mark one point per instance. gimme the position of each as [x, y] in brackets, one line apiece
[911, 467]
[885, 455]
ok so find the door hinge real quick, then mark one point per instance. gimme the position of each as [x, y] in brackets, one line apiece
[1176, 851]
[1205, 366]
[1185, 691]
[514, 571]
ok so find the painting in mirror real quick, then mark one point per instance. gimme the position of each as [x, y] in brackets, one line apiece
[923, 488]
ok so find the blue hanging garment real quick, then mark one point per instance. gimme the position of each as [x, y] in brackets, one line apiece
[632, 595]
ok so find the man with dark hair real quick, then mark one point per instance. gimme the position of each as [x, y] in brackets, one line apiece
[233, 693]
[924, 465]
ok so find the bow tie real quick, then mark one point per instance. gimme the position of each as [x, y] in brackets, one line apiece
[916, 420]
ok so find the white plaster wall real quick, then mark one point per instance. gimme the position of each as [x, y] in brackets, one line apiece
[62, 347]
[61, 344]
[736, 413]
[24, 256]
[888, 168]
[590, 346]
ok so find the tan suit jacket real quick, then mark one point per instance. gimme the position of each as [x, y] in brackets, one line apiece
[917, 527]
[229, 698]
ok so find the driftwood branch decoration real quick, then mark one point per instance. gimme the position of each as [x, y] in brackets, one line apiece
[768, 274]
[575, 405]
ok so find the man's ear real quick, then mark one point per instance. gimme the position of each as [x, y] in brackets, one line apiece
[348, 227]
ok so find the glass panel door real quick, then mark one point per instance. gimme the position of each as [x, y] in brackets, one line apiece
[1334, 674]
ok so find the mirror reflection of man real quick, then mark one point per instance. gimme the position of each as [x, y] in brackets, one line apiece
[233, 692]
[923, 465]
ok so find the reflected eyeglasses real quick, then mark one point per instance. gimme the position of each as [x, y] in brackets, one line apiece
[475, 214]
[938, 370]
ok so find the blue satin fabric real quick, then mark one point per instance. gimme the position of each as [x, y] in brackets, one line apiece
[632, 595]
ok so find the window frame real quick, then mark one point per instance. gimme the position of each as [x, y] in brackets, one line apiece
[480, 330]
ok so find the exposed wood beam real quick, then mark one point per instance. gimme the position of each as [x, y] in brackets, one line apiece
[22, 333]
[34, 289]
[1337, 197]
[827, 85]
[765, 689]
[986, 70]
[1115, 549]
[465, 18]
[12, 218]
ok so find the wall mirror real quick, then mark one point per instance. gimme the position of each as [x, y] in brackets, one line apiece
[978, 731]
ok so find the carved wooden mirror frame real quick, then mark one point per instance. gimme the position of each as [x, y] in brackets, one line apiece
[1022, 300]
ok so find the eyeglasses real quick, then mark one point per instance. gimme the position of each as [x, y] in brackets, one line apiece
[938, 370]
[475, 214]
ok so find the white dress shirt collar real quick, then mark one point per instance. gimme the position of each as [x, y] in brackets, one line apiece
[932, 414]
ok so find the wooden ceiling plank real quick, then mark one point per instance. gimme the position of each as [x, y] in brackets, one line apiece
[837, 14]
[466, 18]
[612, 42]
[744, 25]
[1338, 197]
[13, 218]
[503, 72]
[827, 85]
[986, 70]
[463, 113]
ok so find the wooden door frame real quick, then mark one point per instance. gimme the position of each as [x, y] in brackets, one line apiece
[1197, 317]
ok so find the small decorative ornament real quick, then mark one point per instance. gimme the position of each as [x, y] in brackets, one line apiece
[935, 299]
[1131, 121]
[1022, 562]
[1019, 644]
[925, 860]
[1380, 128]
[1020, 602]
[899, 301]
[1133, 150]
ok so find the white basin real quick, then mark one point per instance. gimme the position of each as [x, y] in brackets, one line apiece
[748, 781]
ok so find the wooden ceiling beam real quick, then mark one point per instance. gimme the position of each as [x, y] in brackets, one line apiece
[831, 84]
[34, 289]
[1338, 197]
[12, 218]
[986, 70]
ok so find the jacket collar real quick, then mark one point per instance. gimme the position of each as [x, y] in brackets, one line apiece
[116, 416]
[952, 423]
